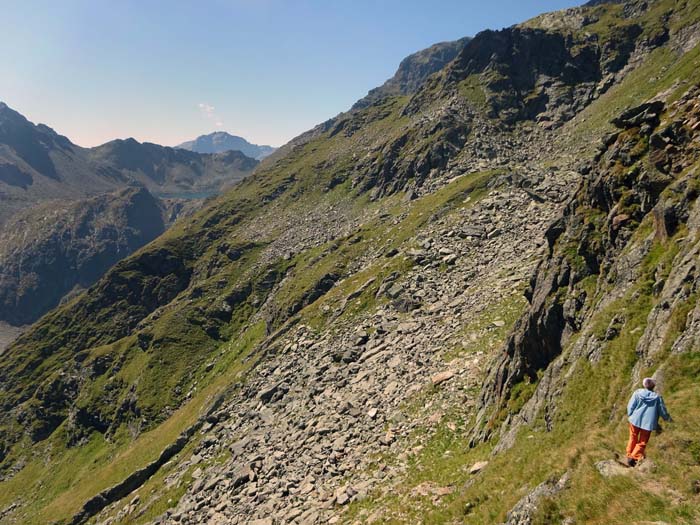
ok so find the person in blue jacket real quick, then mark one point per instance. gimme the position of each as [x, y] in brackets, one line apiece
[643, 411]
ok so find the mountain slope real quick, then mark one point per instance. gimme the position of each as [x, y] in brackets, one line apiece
[613, 302]
[220, 141]
[328, 340]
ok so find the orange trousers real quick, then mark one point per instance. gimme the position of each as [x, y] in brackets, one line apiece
[637, 442]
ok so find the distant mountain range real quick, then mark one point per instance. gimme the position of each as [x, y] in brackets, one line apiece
[69, 213]
[220, 141]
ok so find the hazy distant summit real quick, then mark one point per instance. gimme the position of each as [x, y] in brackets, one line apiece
[220, 141]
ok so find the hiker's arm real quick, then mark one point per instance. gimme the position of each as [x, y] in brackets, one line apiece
[632, 404]
[662, 410]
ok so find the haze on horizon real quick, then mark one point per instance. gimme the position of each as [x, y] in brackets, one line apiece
[266, 70]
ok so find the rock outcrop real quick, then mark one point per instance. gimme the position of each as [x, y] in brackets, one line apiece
[413, 71]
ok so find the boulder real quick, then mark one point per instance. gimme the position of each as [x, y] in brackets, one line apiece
[442, 377]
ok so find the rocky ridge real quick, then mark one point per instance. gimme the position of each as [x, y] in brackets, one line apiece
[413, 71]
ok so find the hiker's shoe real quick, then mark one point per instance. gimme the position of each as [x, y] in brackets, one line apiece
[631, 462]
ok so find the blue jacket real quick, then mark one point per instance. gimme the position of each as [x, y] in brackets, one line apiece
[644, 409]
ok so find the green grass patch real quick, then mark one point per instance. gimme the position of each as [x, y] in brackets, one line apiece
[56, 489]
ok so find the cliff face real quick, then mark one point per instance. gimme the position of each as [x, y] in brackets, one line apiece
[431, 308]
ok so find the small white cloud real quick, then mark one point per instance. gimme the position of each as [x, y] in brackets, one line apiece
[206, 108]
[209, 112]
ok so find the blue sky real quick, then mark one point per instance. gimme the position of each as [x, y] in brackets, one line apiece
[267, 70]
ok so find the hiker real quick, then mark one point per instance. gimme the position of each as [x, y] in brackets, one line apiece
[643, 411]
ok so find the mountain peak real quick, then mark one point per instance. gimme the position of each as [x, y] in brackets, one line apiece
[414, 70]
[221, 141]
[7, 113]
